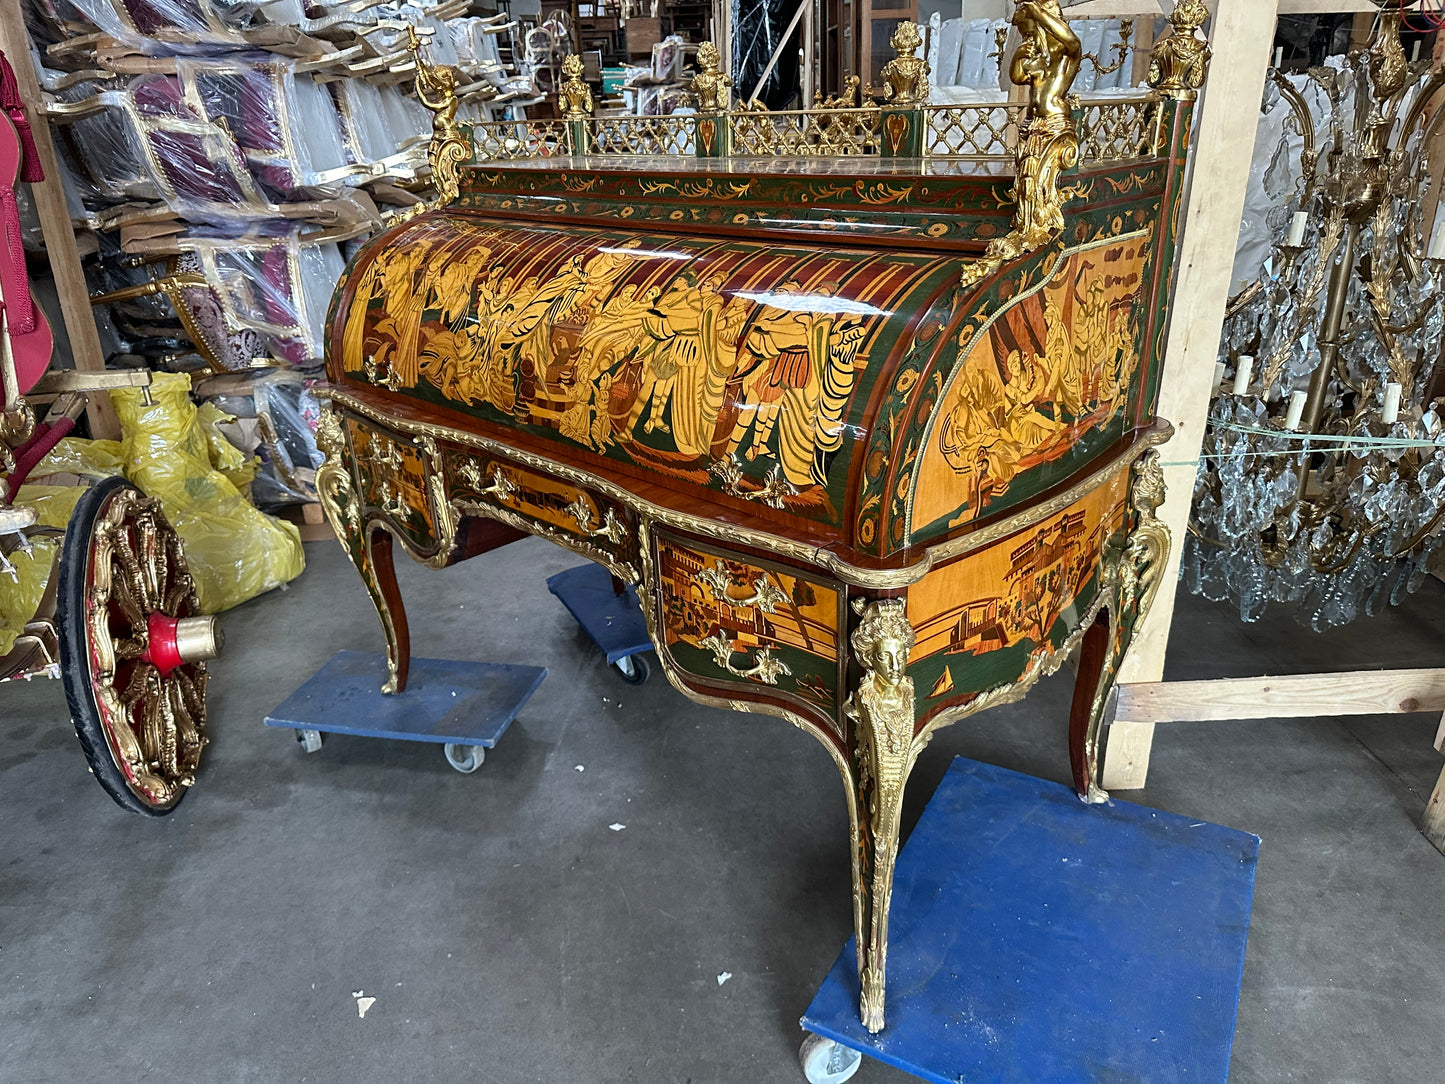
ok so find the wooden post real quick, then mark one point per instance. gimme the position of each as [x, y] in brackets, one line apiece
[1143, 46]
[55, 225]
[1434, 823]
[1360, 28]
[1242, 34]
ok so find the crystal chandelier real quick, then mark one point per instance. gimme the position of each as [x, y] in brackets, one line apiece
[1322, 482]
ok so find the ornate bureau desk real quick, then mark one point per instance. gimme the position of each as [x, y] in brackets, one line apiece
[861, 397]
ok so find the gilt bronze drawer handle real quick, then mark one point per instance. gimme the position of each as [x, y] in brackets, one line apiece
[612, 528]
[766, 669]
[502, 487]
[766, 596]
[774, 491]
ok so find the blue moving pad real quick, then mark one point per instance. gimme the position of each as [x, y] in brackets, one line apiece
[464, 703]
[614, 622]
[1035, 938]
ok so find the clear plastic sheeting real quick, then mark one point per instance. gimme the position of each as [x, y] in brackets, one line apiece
[964, 59]
[275, 282]
[1274, 172]
[274, 419]
[235, 552]
[238, 468]
[287, 128]
[148, 141]
[236, 296]
[173, 23]
[381, 125]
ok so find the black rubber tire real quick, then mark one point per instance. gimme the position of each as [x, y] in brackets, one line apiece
[75, 658]
[640, 672]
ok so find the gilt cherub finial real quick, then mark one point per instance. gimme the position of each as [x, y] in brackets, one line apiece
[1181, 59]
[905, 77]
[711, 84]
[575, 94]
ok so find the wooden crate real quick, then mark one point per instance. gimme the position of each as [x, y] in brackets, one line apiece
[642, 35]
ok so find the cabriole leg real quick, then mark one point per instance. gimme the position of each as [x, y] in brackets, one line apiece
[1097, 671]
[1133, 581]
[369, 548]
[881, 712]
[379, 573]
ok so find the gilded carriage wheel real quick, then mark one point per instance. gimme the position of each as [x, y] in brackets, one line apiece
[133, 646]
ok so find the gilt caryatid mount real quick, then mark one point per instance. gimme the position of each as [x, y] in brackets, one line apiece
[861, 397]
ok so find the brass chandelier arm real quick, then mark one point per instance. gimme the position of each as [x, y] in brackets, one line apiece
[1422, 534]
[1193, 528]
[1334, 230]
[1359, 539]
[1417, 108]
[1304, 123]
[1121, 49]
[1241, 300]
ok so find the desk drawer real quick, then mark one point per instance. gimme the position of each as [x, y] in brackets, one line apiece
[392, 476]
[487, 484]
[737, 620]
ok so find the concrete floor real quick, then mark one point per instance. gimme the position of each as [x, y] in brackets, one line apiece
[508, 935]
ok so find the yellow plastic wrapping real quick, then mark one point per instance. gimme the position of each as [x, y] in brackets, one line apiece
[225, 456]
[74, 455]
[235, 552]
[52, 504]
[19, 600]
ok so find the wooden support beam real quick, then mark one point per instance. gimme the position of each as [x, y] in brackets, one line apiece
[1433, 825]
[1242, 33]
[55, 225]
[1143, 50]
[1361, 27]
[1299, 696]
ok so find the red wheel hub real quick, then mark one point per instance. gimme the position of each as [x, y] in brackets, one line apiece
[164, 652]
[175, 641]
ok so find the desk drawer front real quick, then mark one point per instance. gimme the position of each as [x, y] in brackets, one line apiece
[572, 515]
[392, 475]
[729, 619]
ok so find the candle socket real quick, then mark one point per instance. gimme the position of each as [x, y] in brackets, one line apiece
[1296, 410]
[1243, 374]
[1391, 410]
[1297, 227]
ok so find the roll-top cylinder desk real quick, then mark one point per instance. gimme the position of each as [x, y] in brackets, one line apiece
[861, 397]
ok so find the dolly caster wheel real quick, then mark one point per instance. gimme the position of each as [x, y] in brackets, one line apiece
[634, 669]
[827, 1062]
[310, 740]
[465, 758]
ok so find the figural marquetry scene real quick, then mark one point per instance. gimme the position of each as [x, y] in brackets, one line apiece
[861, 398]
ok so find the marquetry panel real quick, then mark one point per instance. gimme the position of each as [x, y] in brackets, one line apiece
[392, 475]
[982, 620]
[479, 483]
[742, 621]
